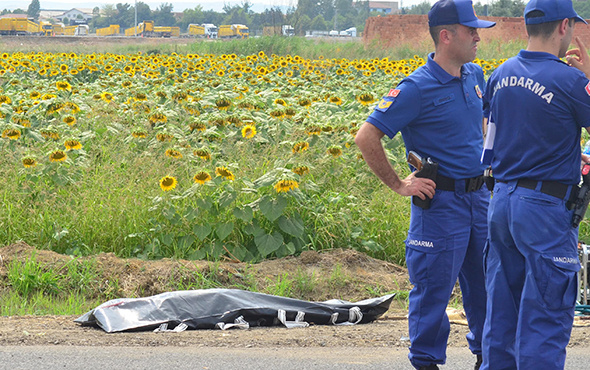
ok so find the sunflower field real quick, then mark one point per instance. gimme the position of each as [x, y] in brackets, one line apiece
[241, 157]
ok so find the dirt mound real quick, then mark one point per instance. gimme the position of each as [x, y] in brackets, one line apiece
[315, 276]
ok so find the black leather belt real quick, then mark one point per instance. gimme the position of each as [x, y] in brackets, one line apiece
[448, 184]
[553, 188]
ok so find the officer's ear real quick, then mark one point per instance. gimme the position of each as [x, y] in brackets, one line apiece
[446, 34]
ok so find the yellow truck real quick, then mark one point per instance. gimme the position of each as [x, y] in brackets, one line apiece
[196, 30]
[163, 31]
[19, 27]
[112, 30]
[207, 30]
[233, 31]
[144, 29]
[70, 30]
[46, 29]
[58, 29]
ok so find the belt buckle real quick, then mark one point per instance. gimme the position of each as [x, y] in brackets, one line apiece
[473, 184]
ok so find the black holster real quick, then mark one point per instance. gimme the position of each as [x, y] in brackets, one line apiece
[429, 171]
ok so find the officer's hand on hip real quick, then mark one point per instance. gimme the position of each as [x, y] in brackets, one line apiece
[418, 186]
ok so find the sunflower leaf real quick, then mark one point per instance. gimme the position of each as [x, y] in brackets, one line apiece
[184, 242]
[268, 243]
[224, 229]
[292, 226]
[272, 208]
[226, 198]
[245, 214]
[202, 231]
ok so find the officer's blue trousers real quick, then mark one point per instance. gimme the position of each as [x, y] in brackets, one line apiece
[446, 242]
[531, 280]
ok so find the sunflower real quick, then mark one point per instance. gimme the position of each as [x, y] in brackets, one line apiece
[72, 144]
[63, 68]
[168, 183]
[249, 131]
[69, 120]
[164, 137]
[202, 177]
[335, 151]
[140, 96]
[223, 103]
[35, 95]
[173, 153]
[336, 100]
[106, 96]
[63, 85]
[283, 186]
[50, 133]
[300, 146]
[366, 98]
[203, 153]
[158, 118]
[277, 113]
[139, 134]
[11, 133]
[58, 156]
[290, 112]
[29, 162]
[5, 99]
[225, 173]
[280, 101]
[313, 130]
[304, 102]
[300, 170]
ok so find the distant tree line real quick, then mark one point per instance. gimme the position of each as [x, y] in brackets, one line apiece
[319, 15]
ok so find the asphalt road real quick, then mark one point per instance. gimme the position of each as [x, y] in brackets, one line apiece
[130, 358]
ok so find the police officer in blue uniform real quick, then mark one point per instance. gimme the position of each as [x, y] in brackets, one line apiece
[538, 106]
[438, 110]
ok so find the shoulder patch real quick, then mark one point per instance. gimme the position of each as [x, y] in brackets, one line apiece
[588, 88]
[393, 93]
[384, 104]
[478, 91]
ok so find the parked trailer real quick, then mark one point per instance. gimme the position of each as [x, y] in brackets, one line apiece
[112, 30]
[19, 27]
[162, 31]
[144, 29]
[207, 30]
[58, 29]
[69, 30]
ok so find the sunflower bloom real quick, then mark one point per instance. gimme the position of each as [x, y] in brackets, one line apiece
[313, 130]
[284, 186]
[73, 144]
[5, 99]
[223, 103]
[11, 133]
[366, 98]
[164, 137]
[63, 86]
[335, 100]
[172, 153]
[335, 151]
[158, 118]
[300, 170]
[204, 154]
[249, 131]
[199, 126]
[139, 134]
[300, 146]
[202, 177]
[107, 96]
[168, 183]
[29, 162]
[69, 120]
[225, 173]
[58, 156]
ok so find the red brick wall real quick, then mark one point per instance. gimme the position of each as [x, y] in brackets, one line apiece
[399, 30]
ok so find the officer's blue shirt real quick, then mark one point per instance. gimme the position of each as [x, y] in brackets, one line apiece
[539, 105]
[439, 116]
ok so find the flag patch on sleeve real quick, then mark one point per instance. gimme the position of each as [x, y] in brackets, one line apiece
[393, 93]
[588, 88]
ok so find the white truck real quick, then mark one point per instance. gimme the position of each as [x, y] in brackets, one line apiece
[350, 32]
[287, 30]
[210, 30]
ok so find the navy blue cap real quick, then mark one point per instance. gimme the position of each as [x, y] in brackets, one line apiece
[445, 12]
[555, 10]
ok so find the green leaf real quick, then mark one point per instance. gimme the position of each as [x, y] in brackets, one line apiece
[190, 214]
[268, 243]
[292, 226]
[226, 198]
[167, 239]
[202, 231]
[272, 208]
[204, 203]
[265, 180]
[184, 242]
[224, 229]
[253, 230]
[245, 214]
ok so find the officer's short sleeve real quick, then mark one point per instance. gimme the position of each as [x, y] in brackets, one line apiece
[396, 109]
[581, 105]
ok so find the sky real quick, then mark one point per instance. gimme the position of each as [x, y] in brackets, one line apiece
[179, 5]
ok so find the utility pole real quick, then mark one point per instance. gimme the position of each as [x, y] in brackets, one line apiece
[135, 28]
